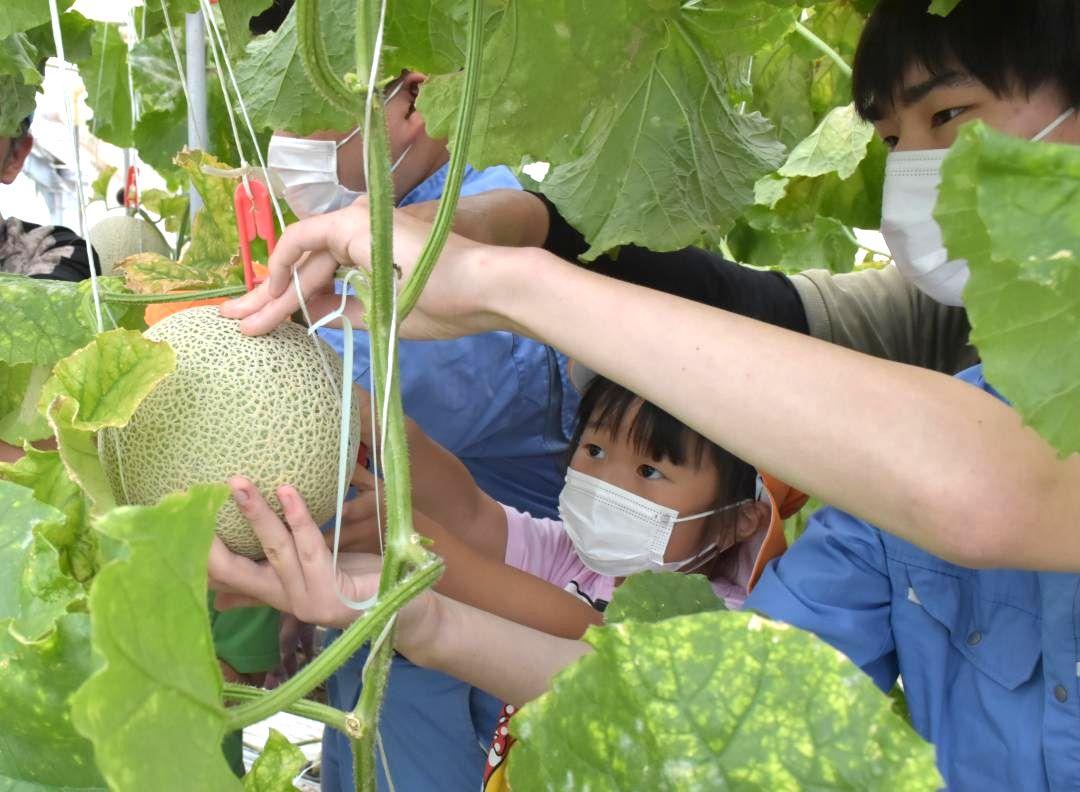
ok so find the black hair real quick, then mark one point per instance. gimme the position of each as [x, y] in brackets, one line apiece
[270, 19]
[653, 432]
[1007, 45]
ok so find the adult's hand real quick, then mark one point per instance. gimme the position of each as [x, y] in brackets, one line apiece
[452, 305]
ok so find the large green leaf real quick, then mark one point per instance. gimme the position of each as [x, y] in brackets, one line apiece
[105, 74]
[1023, 298]
[20, 388]
[19, 58]
[16, 103]
[429, 35]
[152, 273]
[40, 750]
[214, 240]
[650, 150]
[109, 377]
[781, 90]
[97, 388]
[718, 700]
[236, 14]
[278, 764]
[34, 593]
[153, 710]
[20, 15]
[41, 320]
[274, 84]
[44, 473]
[79, 454]
[837, 146]
[655, 596]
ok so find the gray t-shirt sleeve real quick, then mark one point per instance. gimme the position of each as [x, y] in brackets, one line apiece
[878, 312]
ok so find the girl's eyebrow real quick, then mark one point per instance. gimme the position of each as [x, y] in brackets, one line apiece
[911, 94]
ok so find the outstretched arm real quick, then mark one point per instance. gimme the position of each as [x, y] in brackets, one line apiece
[923, 456]
[511, 661]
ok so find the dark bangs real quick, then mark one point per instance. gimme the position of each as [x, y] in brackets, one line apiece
[1008, 45]
[655, 433]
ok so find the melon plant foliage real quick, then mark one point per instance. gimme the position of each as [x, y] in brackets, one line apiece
[667, 122]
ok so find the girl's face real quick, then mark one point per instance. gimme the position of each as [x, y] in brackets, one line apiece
[929, 110]
[687, 488]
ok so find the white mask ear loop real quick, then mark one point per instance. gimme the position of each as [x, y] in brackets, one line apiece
[1061, 119]
[701, 556]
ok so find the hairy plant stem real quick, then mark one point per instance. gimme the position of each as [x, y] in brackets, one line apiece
[316, 62]
[444, 215]
[154, 299]
[305, 708]
[394, 454]
[335, 655]
[823, 47]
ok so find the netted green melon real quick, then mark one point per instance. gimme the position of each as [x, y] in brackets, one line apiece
[118, 236]
[260, 407]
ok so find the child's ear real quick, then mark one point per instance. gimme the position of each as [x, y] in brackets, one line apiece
[750, 518]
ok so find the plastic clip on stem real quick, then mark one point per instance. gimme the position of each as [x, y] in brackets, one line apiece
[254, 220]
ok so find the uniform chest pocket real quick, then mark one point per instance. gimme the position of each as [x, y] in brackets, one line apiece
[1003, 641]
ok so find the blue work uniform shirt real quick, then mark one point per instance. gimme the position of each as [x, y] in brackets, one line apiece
[989, 658]
[505, 406]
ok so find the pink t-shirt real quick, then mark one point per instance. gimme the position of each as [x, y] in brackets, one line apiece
[541, 547]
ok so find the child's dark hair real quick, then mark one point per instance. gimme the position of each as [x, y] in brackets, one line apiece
[606, 405]
[1008, 45]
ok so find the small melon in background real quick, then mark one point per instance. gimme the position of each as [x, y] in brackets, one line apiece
[118, 236]
[260, 407]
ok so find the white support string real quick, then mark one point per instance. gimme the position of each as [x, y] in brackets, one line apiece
[69, 115]
[217, 44]
[343, 444]
[207, 14]
[216, 33]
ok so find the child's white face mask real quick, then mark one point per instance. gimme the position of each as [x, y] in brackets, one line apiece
[308, 171]
[912, 179]
[618, 533]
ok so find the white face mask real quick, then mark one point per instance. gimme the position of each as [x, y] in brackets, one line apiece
[618, 533]
[308, 171]
[912, 179]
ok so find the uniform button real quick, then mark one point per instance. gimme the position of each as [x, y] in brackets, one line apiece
[974, 639]
[1061, 694]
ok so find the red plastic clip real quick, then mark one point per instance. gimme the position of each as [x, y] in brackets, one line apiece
[254, 220]
[131, 188]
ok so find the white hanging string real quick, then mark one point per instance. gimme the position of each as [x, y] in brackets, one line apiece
[216, 33]
[207, 13]
[217, 44]
[343, 444]
[69, 116]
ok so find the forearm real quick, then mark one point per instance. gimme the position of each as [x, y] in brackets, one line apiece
[512, 662]
[445, 491]
[928, 458]
[693, 273]
[506, 591]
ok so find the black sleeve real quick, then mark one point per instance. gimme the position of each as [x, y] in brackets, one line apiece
[693, 273]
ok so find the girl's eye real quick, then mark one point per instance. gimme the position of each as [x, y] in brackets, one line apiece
[945, 116]
[649, 472]
[594, 451]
